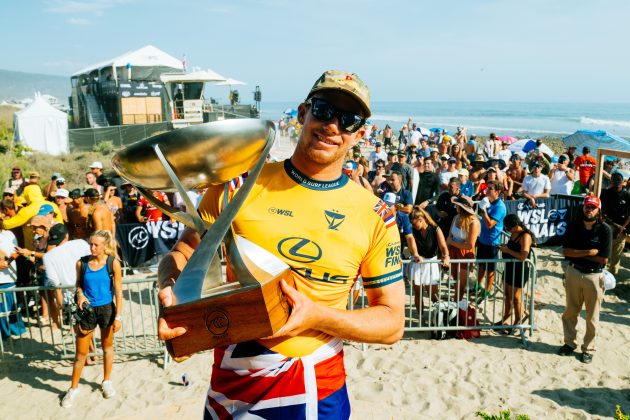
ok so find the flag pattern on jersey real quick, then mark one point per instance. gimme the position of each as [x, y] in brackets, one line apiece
[386, 213]
[248, 380]
[237, 182]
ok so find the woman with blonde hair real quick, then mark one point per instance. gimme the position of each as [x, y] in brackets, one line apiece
[462, 239]
[429, 242]
[99, 281]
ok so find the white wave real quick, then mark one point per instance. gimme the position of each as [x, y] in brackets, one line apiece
[595, 121]
[471, 128]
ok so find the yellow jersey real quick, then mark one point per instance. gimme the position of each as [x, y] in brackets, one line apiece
[329, 233]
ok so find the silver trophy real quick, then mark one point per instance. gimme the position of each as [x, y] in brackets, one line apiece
[214, 311]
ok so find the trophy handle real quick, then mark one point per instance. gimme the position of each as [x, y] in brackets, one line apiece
[190, 282]
[199, 224]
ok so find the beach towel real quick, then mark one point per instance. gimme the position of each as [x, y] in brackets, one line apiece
[250, 381]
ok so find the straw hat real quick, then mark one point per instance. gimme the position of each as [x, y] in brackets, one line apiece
[464, 202]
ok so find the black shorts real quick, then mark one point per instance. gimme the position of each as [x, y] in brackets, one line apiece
[104, 317]
[487, 252]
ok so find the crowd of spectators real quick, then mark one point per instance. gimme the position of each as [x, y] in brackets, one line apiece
[448, 193]
[39, 219]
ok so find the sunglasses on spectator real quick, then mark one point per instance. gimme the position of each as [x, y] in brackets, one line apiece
[323, 111]
[7, 194]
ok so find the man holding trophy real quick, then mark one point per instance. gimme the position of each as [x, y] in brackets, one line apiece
[329, 232]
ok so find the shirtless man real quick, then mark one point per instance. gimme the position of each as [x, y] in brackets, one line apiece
[98, 215]
[516, 173]
[77, 216]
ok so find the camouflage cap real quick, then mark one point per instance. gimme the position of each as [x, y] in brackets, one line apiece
[348, 82]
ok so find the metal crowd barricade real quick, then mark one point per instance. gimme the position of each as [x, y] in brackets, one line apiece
[458, 288]
[44, 340]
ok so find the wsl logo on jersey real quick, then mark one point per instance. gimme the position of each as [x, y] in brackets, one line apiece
[386, 213]
[334, 219]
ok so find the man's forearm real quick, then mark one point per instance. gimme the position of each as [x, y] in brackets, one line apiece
[173, 263]
[488, 221]
[576, 253]
[597, 259]
[380, 323]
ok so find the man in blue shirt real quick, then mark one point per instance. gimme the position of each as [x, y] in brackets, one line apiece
[467, 188]
[493, 212]
[403, 196]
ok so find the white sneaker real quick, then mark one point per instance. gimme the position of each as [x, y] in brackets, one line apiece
[69, 398]
[108, 389]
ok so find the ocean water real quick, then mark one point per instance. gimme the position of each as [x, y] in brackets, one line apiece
[524, 119]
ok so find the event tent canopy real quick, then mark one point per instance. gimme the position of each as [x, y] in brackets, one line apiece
[42, 127]
[595, 140]
[148, 56]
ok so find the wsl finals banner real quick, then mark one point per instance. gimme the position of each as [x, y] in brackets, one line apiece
[549, 219]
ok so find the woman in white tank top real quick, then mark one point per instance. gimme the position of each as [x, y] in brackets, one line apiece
[461, 241]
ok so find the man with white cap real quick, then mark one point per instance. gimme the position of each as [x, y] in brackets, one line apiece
[62, 199]
[97, 169]
[536, 185]
[467, 188]
[587, 245]
[376, 154]
[350, 168]
[448, 170]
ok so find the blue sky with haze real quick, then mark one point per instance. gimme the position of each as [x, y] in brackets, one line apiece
[485, 50]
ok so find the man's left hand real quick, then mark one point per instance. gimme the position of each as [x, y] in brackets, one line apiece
[304, 313]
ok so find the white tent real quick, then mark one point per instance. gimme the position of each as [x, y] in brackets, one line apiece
[148, 56]
[42, 127]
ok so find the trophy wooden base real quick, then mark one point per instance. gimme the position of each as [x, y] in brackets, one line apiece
[232, 314]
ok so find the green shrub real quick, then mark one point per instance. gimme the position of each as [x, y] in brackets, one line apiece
[503, 415]
[104, 147]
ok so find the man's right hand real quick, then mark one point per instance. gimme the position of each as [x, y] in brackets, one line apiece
[167, 298]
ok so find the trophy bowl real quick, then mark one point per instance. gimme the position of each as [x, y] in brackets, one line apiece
[201, 155]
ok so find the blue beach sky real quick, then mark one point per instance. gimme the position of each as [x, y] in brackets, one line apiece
[485, 50]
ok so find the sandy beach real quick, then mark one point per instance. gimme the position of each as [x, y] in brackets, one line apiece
[417, 378]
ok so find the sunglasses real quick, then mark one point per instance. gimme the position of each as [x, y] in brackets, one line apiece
[323, 111]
